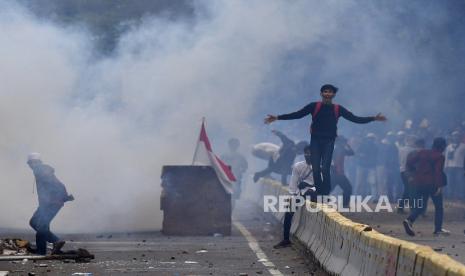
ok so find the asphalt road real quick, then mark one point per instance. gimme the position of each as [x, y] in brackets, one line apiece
[248, 251]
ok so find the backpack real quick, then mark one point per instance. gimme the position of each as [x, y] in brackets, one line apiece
[317, 109]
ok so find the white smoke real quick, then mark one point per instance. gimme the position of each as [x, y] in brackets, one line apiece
[108, 125]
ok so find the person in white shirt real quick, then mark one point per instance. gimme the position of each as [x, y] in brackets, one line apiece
[404, 151]
[455, 155]
[301, 184]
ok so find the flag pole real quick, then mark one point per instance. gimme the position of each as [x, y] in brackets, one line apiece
[197, 146]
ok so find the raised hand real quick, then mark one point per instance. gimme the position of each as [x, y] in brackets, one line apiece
[380, 117]
[270, 118]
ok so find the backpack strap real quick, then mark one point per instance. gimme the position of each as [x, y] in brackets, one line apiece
[336, 111]
[317, 109]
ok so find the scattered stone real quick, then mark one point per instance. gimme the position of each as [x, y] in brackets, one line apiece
[109, 236]
[438, 249]
[243, 274]
[185, 252]
[453, 246]
[173, 258]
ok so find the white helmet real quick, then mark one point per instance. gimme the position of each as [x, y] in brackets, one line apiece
[33, 156]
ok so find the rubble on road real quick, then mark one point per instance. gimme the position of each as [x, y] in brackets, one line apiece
[21, 250]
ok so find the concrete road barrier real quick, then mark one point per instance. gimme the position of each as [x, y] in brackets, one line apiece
[344, 247]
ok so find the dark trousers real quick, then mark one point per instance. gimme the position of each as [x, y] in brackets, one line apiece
[289, 215]
[322, 154]
[342, 181]
[424, 194]
[40, 222]
[391, 182]
[274, 168]
[407, 194]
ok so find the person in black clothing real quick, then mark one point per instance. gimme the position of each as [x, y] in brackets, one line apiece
[341, 150]
[389, 159]
[366, 182]
[283, 163]
[52, 196]
[323, 131]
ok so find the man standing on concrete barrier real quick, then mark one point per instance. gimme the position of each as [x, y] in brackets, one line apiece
[52, 195]
[301, 184]
[427, 178]
[323, 131]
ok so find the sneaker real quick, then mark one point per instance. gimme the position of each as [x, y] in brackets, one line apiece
[57, 246]
[442, 232]
[408, 227]
[282, 244]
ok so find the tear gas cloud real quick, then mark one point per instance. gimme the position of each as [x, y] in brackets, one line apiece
[108, 124]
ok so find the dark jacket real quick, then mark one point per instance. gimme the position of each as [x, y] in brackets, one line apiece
[287, 155]
[49, 189]
[341, 150]
[425, 168]
[325, 122]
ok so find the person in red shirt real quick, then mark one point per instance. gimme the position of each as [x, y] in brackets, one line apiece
[426, 176]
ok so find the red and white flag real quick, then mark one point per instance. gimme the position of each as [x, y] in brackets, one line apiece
[204, 156]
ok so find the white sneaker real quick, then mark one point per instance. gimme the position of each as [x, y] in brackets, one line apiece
[442, 232]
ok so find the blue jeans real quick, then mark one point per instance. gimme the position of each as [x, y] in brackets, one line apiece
[321, 149]
[424, 194]
[40, 222]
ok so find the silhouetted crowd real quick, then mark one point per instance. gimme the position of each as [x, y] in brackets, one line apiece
[379, 165]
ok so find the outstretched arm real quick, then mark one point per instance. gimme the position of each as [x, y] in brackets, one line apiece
[360, 120]
[308, 109]
[284, 139]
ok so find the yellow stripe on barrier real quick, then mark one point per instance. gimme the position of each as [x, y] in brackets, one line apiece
[344, 247]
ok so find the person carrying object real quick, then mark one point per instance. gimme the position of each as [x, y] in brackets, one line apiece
[52, 195]
[301, 184]
[281, 163]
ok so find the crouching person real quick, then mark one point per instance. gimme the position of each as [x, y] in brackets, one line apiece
[52, 195]
[301, 184]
